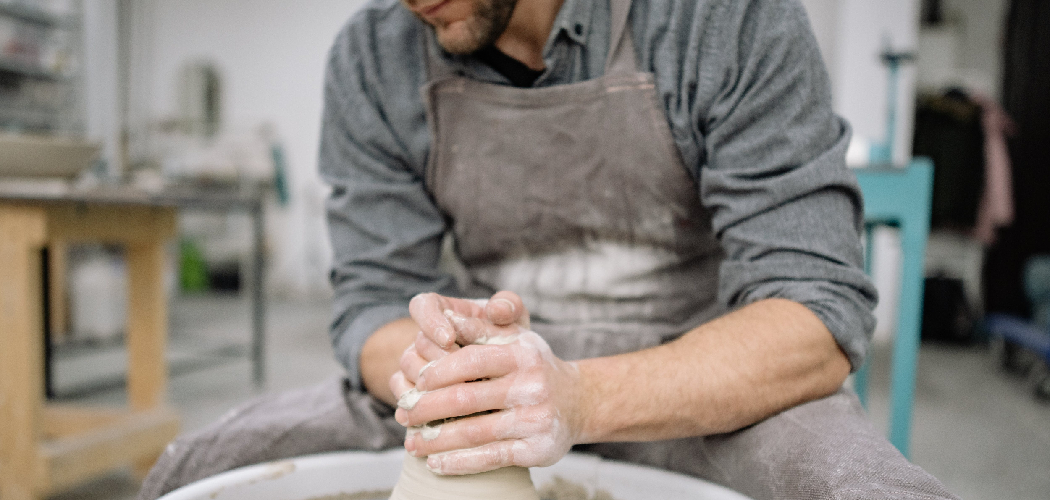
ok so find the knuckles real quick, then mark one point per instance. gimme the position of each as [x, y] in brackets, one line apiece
[528, 392]
[406, 361]
[474, 434]
[503, 456]
[463, 397]
[474, 357]
[530, 432]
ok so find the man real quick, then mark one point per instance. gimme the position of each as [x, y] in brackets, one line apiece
[660, 189]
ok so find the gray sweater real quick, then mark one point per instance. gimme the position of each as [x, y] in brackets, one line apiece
[749, 104]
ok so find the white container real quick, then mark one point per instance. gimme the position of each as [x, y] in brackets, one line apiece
[318, 476]
[98, 296]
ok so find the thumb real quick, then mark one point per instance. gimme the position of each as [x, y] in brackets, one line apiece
[506, 308]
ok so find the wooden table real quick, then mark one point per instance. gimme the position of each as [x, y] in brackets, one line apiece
[45, 448]
[244, 197]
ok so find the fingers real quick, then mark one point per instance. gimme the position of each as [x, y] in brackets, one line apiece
[399, 385]
[480, 331]
[506, 308]
[430, 351]
[455, 401]
[412, 364]
[437, 314]
[468, 364]
[491, 456]
[477, 431]
[428, 310]
[431, 311]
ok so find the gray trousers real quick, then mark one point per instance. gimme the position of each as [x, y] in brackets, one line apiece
[825, 449]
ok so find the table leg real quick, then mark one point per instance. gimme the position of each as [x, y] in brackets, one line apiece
[45, 280]
[906, 341]
[861, 376]
[58, 269]
[258, 304]
[146, 334]
[147, 326]
[22, 355]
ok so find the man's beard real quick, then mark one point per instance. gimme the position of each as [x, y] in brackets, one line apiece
[490, 19]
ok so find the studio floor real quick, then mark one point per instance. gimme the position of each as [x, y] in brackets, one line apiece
[976, 428]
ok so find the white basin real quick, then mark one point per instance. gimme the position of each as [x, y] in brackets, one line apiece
[307, 478]
[34, 156]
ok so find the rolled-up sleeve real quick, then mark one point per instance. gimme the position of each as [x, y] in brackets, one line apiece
[384, 227]
[787, 210]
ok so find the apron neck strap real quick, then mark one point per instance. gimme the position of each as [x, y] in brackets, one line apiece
[621, 58]
[436, 69]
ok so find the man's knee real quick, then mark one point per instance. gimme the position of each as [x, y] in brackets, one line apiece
[322, 418]
[822, 449]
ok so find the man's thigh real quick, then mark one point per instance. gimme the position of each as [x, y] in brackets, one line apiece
[825, 449]
[322, 418]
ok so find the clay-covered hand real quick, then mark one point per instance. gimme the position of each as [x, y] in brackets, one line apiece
[522, 403]
[438, 337]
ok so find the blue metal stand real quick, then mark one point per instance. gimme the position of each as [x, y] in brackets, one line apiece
[882, 153]
[901, 197]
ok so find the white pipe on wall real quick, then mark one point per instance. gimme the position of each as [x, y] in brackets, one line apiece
[102, 87]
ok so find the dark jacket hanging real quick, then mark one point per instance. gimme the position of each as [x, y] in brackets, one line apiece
[1026, 98]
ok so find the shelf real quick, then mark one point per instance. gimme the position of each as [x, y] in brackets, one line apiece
[33, 15]
[29, 70]
[38, 89]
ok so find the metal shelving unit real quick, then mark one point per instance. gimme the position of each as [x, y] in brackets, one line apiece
[29, 70]
[37, 95]
[34, 15]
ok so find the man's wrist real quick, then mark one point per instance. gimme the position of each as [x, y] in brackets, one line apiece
[381, 357]
[588, 400]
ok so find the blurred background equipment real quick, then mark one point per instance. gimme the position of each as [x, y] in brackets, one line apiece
[38, 67]
[200, 99]
[36, 156]
[1022, 346]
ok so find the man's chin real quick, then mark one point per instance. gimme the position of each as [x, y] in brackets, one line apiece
[457, 39]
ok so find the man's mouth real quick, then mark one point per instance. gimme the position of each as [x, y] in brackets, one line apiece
[433, 8]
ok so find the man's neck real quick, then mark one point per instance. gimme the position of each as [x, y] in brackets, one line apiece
[526, 35]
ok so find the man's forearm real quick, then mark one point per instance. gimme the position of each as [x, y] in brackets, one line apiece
[719, 377]
[381, 355]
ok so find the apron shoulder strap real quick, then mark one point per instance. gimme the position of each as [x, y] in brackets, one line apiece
[621, 58]
[435, 69]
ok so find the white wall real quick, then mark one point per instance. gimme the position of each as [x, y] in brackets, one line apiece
[865, 28]
[271, 55]
[824, 18]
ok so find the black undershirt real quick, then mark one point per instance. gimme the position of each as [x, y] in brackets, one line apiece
[516, 71]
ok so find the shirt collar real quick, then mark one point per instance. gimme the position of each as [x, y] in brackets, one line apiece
[574, 19]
